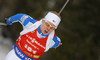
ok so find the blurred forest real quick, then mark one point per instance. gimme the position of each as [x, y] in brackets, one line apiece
[79, 29]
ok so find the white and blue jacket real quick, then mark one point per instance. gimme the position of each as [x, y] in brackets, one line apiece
[26, 22]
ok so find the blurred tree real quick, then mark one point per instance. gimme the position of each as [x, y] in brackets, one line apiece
[79, 31]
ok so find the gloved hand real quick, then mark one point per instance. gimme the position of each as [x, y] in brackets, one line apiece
[8, 21]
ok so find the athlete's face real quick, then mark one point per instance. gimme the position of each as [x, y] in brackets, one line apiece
[47, 27]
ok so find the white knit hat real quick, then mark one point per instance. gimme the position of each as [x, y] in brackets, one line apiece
[53, 18]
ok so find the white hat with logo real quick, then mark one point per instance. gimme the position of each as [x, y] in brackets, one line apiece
[53, 18]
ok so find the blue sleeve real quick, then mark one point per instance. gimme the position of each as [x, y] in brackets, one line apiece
[57, 42]
[22, 18]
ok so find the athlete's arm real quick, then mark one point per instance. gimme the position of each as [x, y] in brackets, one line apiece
[56, 42]
[24, 19]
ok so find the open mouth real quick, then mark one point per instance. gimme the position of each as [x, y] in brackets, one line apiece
[45, 31]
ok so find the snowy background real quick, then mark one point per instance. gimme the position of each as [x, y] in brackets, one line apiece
[6, 44]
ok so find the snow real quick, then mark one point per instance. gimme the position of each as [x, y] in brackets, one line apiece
[5, 45]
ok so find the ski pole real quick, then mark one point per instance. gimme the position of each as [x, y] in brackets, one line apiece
[63, 7]
[3, 24]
